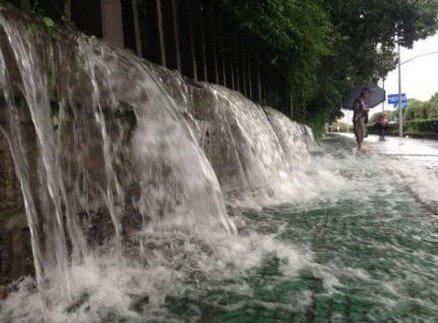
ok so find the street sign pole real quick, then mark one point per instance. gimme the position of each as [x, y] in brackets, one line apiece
[400, 110]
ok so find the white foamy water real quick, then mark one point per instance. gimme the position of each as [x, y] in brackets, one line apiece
[126, 198]
[116, 159]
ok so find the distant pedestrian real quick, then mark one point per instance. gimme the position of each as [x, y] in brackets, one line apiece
[382, 125]
[360, 115]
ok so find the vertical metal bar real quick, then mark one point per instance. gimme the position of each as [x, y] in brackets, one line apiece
[233, 83]
[291, 106]
[272, 95]
[224, 62]
[192, 42]
[248, 64]
[242, 62]
[400, 112]
[232, 55]
[214, 44]
[204, 47]
[286, 101]
[161, 33]
[259, 83]
[176, 35]
[137, 28]
[221, 26]
[264, 93]
[112, 22]
[236, 62]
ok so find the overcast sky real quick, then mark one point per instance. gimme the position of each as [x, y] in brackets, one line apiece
[420, 76]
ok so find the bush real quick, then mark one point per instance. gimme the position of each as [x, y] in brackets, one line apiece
[426, 128]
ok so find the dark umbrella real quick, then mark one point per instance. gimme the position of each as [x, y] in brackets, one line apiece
[377, 96]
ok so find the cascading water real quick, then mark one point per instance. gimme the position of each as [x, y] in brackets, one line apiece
[292, 139]
[121, 199]
[253, 151]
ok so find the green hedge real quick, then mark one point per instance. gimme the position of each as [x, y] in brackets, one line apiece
[418, 128]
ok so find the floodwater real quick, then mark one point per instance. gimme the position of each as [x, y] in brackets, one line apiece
[368, 241]
[358, 242]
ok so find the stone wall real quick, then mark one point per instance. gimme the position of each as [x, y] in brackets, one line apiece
[15, 249]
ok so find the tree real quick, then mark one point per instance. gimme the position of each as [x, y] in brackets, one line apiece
[366, 32]
[418, 110]
[327, 46]
[415, 110]
[299, 31]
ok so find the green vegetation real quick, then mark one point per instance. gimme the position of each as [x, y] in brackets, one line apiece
[417, 111]
[421, 110]
[327, 46]
[420, 119]
[417, 128]
[46, 21]
[324, 47]
[46, 24]
[300, 32]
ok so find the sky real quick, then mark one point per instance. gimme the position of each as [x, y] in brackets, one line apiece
[419, 77]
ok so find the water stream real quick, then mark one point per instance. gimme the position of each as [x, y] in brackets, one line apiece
[150, 199]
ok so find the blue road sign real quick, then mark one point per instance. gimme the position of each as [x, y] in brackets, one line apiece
[405, 104]
[393, 98]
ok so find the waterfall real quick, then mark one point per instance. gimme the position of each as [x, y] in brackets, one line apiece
[254, 151]
[116, 156]
[295, 139]
[82, 100]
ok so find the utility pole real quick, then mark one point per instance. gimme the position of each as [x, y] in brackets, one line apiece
[383, 86]
[400, 111]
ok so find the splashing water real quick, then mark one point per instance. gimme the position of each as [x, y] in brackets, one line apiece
[82, 98]
[115, 184]
[253, 154]
[120, 162]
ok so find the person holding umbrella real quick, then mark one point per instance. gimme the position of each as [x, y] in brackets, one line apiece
[360, 115]
[361, 99]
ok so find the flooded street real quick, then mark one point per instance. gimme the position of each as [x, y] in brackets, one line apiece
[162, 161]
[372, 233]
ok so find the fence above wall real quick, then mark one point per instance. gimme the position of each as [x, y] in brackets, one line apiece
[196, 37]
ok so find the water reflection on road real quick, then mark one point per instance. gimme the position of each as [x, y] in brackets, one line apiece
[372, 233]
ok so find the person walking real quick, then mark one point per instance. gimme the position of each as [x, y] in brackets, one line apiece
[360, 114]
[382, 125]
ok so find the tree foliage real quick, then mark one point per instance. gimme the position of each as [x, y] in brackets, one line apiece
[323, 46]
[421, 110]
[327, 46]
[299, 31]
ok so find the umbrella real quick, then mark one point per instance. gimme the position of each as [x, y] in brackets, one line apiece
[377, 96]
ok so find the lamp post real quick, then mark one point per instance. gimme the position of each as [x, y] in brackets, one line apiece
[400, 111]
[400, 114]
